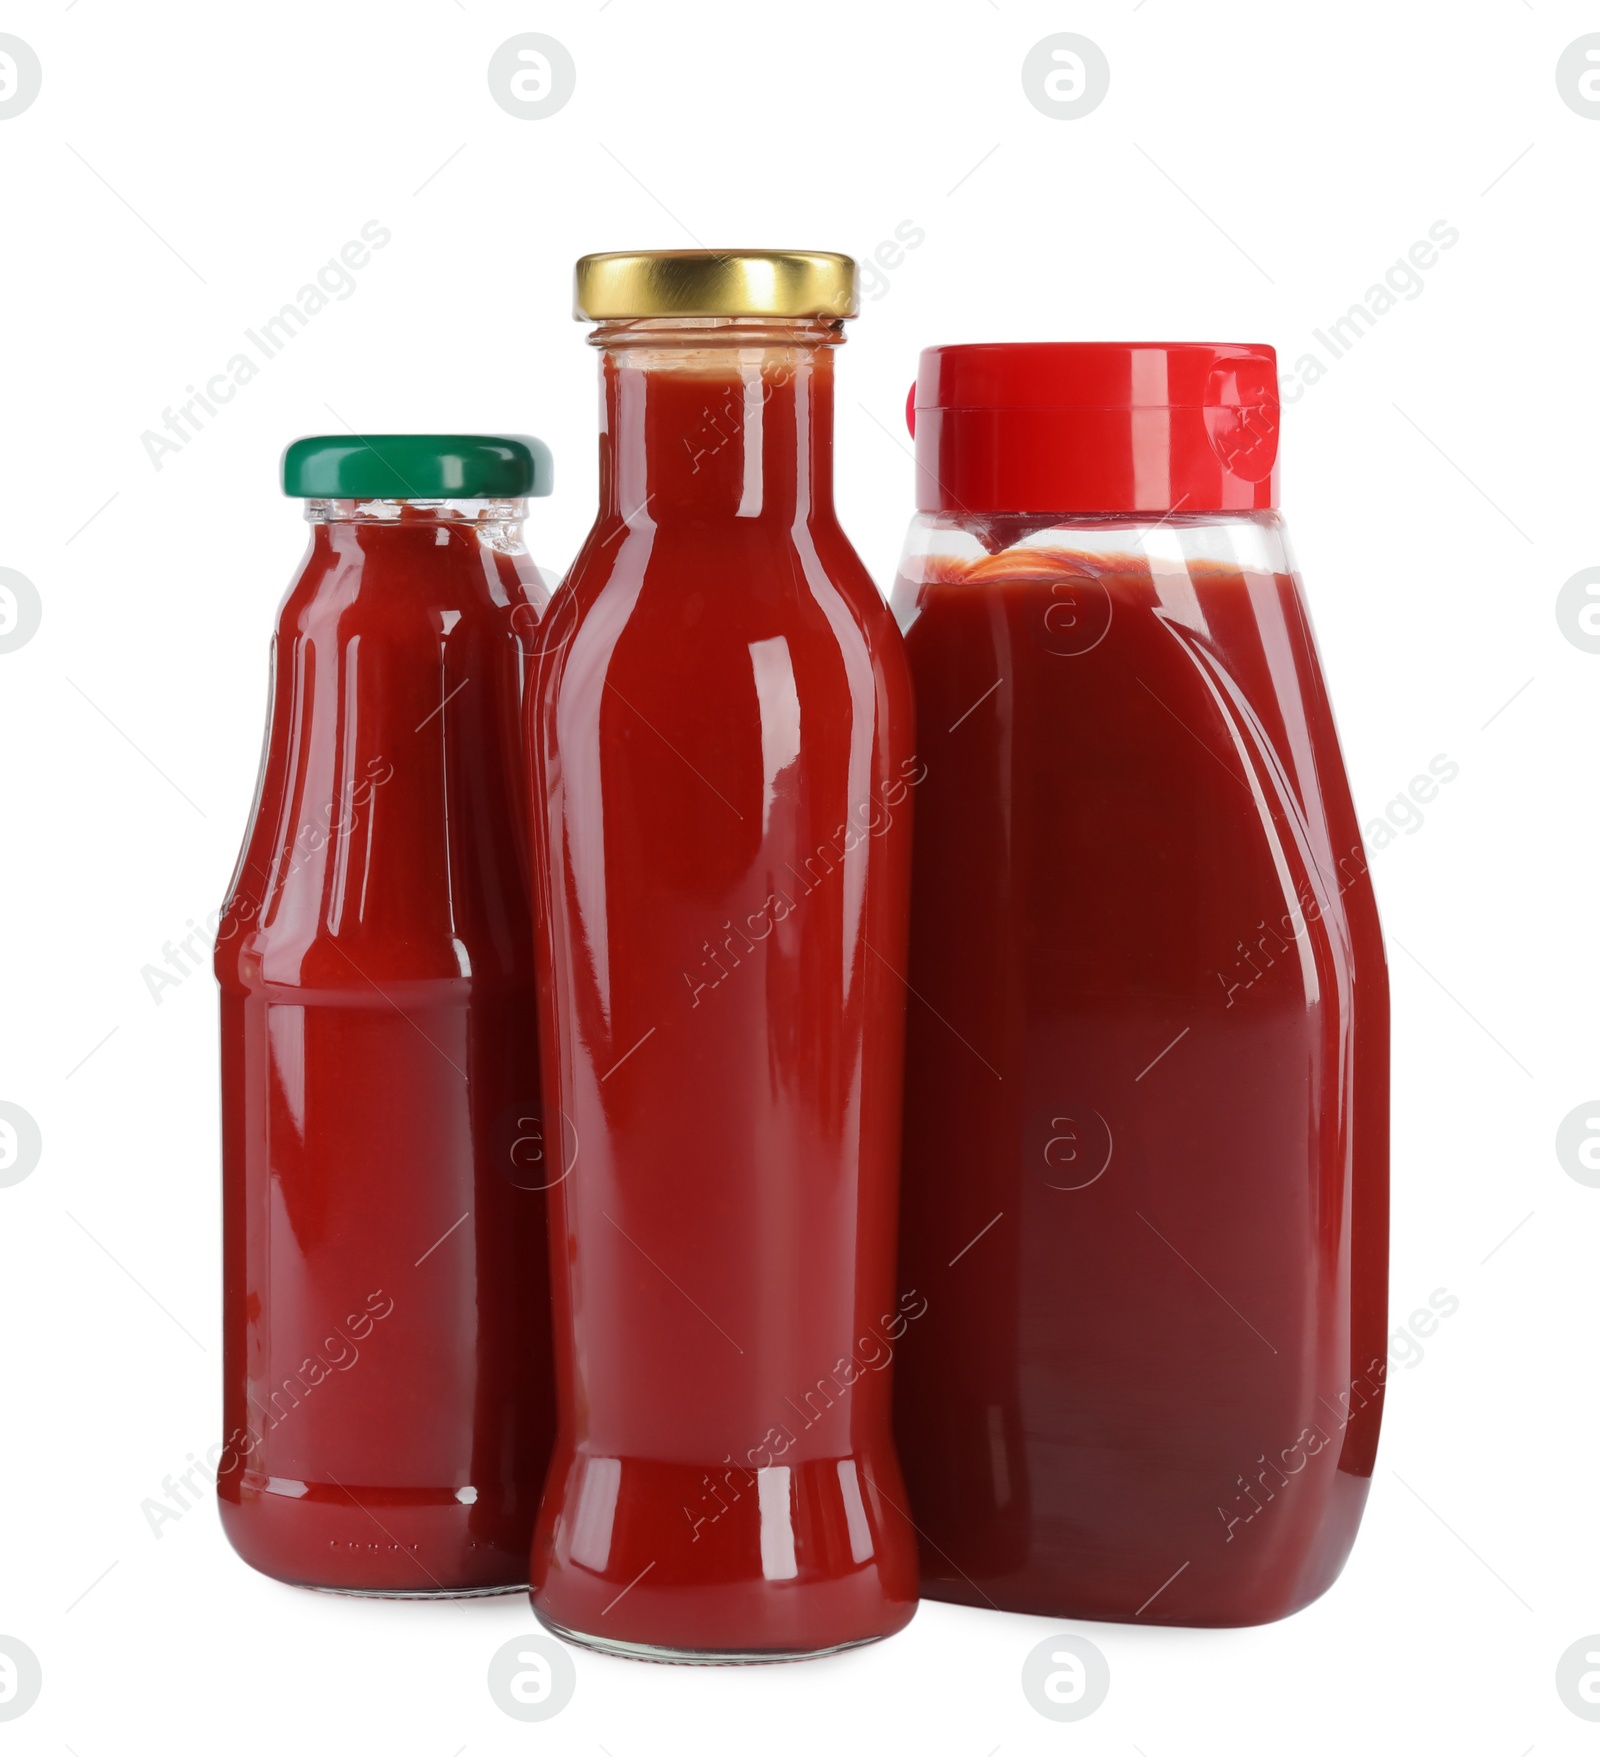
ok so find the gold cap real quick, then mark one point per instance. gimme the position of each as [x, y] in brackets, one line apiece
[714, 283]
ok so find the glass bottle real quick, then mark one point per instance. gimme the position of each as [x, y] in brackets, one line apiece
[387, 1399]
[722, 769]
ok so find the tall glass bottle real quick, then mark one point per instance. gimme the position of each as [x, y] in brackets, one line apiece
[720, 720]
[387, 1398]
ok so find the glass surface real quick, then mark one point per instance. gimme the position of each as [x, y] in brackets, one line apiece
[721, 727]
[387, 1401]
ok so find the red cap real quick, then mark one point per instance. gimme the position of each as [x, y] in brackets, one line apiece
[1147, 427]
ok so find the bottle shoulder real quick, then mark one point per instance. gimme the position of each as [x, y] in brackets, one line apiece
[695, 580]
[388, 827]
[946, 548]
[408, 582]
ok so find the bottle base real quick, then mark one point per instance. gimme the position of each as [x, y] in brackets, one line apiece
[437, 1592]
[687, 1656]
[379, 1542]
[1123, 1578]
[786, 1562]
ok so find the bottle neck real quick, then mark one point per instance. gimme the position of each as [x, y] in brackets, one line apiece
[707, 419]
[482, 514]
[359, 528]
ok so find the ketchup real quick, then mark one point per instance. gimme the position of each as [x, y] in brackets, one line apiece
[387, 1404]
[1145, 1163]
[722, 759]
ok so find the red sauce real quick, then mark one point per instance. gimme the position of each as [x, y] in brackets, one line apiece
[1146, 1103]
[387, 1405]
[722, 756]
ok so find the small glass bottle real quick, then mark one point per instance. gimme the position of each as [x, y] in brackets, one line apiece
[387, 1396]
[722, 767]
[1146, 1139]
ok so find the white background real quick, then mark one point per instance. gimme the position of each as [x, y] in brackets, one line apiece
[1254, 170]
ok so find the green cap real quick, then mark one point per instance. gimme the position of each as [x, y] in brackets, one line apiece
[416, 466]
